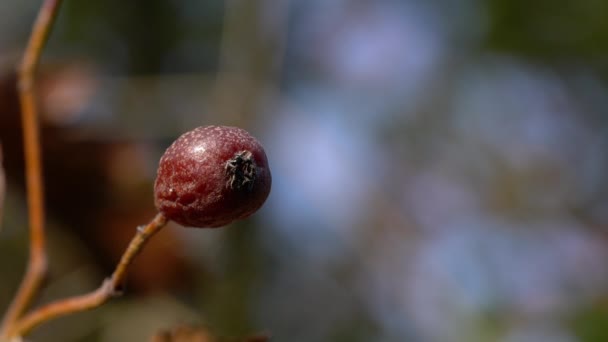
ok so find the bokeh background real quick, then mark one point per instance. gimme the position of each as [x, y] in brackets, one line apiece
[439, 166]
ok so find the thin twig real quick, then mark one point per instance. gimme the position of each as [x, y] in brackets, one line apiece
[37, 264]
[2, 187]
[108, 289]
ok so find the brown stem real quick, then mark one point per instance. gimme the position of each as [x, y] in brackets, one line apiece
[2, 187]
[37, 264]
[108, 289]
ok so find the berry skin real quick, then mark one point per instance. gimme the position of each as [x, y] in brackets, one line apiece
[211, 176]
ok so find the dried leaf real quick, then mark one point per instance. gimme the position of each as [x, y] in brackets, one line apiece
[184, 333]
[188, 333]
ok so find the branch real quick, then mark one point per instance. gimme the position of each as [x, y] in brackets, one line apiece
[37, 264]
[108, 289]
[2, 187]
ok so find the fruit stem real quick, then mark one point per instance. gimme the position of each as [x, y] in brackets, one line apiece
[109, 288]
[37, 263]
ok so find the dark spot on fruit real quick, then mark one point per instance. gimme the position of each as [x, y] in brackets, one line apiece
[241, 170]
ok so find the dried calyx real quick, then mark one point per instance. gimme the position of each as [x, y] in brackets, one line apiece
[241, 171]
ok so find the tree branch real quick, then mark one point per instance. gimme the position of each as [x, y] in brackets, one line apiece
[2, 187]
[108, 289]
[37, 264]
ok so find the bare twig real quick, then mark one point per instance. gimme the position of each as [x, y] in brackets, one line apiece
[2, 186]
[37, 264]
[109, 288]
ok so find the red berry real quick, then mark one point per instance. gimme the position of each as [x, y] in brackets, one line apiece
[212, 176]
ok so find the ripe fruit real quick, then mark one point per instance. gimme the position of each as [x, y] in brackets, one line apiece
[212, 176]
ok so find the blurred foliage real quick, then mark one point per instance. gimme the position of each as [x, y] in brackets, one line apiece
[143, 37]
[551, 31]
[590, 323]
